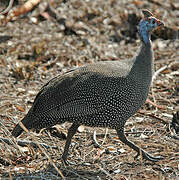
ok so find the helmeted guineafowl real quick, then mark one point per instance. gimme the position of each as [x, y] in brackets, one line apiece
[102, 94]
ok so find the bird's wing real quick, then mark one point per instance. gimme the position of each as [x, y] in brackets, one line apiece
[72, 94]
[82, 91]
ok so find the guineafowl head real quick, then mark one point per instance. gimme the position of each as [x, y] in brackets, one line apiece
[147, 24]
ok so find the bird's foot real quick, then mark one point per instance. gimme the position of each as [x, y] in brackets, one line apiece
[147, 156]
[66, 162]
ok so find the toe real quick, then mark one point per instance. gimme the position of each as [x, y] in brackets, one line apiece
[152, 158]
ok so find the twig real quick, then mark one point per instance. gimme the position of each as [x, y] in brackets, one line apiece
[106, 132]
[174, 137]
[40, 147]
[154, 104]
[158, 72]
[8, 8]
[105, 172]
[95, 140]
[25, 143]
[138, 132]
[151, 115]
[161, 61]
[26, 7]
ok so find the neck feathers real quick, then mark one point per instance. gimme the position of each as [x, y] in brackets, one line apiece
[146, 50]
[143, 65]
[144, 60]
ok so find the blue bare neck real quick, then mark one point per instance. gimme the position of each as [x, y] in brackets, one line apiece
[144, 33]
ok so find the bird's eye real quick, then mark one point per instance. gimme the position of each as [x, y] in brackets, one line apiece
[153, 21]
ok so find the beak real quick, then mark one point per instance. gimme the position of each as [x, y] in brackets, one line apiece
[160, 23]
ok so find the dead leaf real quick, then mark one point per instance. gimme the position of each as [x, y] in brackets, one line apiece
[20, 108]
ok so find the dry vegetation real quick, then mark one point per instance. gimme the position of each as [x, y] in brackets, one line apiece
[45, 42]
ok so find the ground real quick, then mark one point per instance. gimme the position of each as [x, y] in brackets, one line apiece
[45, 42]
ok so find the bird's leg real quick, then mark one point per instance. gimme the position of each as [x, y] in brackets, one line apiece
[145, 155]
[71, 132]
